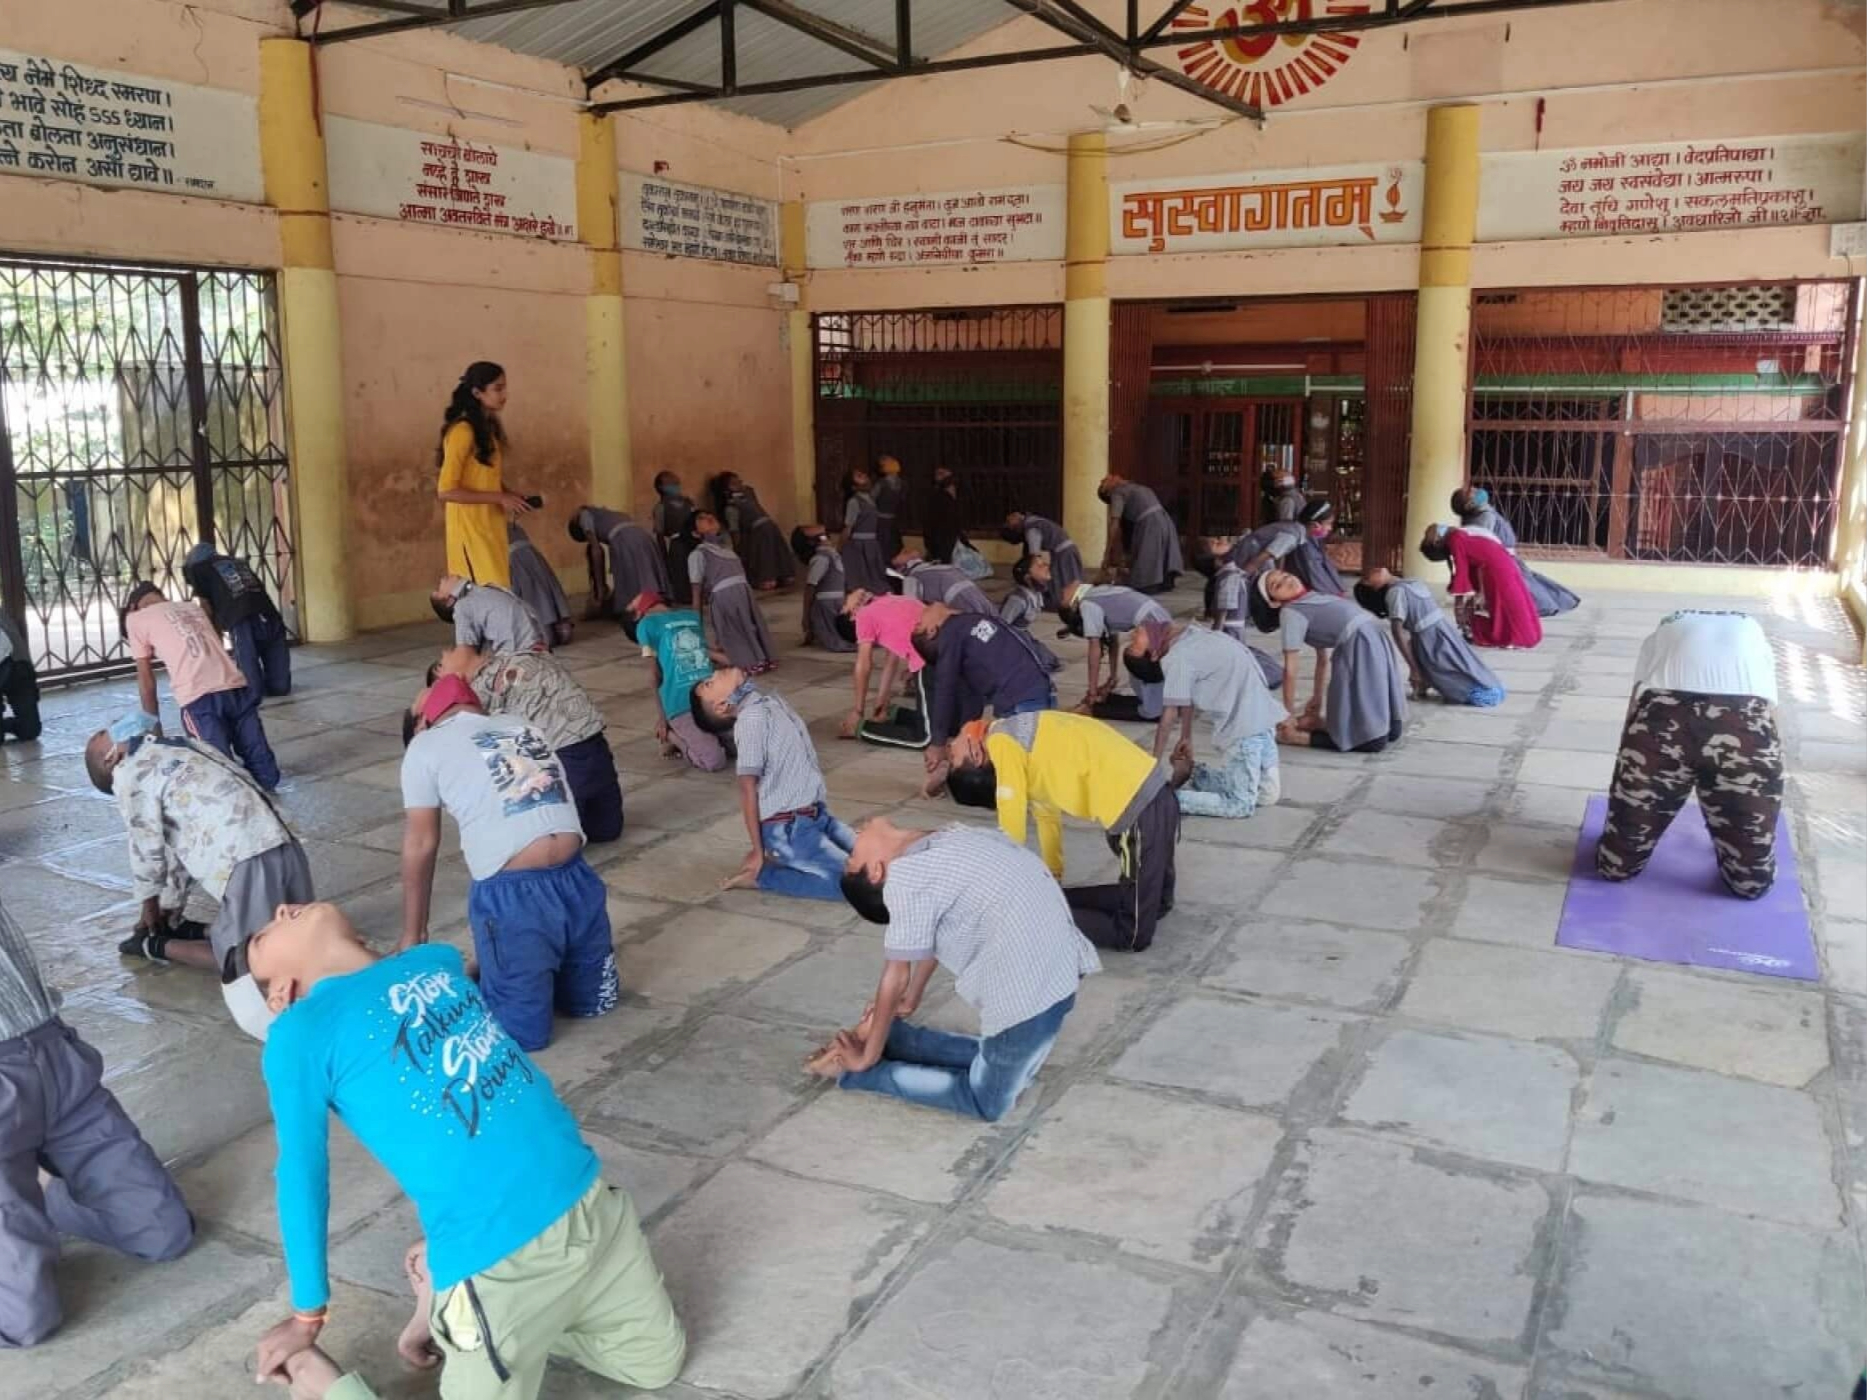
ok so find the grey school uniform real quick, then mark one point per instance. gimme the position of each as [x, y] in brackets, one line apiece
[739, 630]
[1289, 544]
[1021, 608]
[864, 564]
[1367, 697]
[489, 617]
[636, 564]
[889, 492]
[1288, 504]
[672, 517]
[761, 543]
[1154, 548]
[1445, 659]
[825, 579]
[1230, 613]
[106, 1184]
[945, 583]
[533, 580]
[1043, 536]
[1109, 612]
[1550, 598]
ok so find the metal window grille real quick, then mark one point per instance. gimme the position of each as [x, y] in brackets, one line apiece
[141, 410]
[978, 391]
[1671, 424]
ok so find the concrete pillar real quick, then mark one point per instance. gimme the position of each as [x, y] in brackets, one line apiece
[291, 147]
[1851, 497]
[1442, 347]
[612, 480]
[795, 263]
[1086, 344]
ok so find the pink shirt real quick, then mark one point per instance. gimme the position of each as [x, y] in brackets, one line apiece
[185, 642]
[890, 621]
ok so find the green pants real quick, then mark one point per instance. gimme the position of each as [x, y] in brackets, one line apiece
[587, 1289]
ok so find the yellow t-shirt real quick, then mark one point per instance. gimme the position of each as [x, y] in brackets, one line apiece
[1076, 766]
[476, 535]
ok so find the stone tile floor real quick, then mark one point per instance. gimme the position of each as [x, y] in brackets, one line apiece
[1354, 1126]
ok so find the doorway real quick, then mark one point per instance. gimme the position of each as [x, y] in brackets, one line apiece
[142, 410]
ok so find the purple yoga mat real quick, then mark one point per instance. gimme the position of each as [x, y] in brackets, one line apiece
[1677, 910]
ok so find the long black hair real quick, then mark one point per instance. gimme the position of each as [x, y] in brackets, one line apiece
[465, 408]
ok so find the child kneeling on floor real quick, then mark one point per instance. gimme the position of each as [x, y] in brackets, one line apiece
[528, 1252]
[798, 847]
[540, 915]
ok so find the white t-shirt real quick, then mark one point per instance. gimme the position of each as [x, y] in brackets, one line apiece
[498, 778]
[1711, 653]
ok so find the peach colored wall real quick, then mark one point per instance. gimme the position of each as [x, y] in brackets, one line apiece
[709, 377]
[418, 304]
[1625, 71]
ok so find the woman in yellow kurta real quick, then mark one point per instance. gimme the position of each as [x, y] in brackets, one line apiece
[472, 486]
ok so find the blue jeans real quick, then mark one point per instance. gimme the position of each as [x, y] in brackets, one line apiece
[228, 720]
[962, 1073]
[1248, 779]
[805, 856]
[543, 941]
[264, 655]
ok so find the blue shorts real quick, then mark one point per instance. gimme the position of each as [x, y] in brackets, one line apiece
[543, 941]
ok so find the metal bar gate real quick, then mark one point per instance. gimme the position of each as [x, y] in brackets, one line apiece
[142, 410]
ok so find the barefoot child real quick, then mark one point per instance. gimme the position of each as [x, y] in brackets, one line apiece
[536, 585]
[540, 916]
[825, 587]
[487, 617]
[940, 583]
[798, 847]
[1203, 671]
[1359, 702]
[1438, 658]
[721, 591]
[101, 1181]
[623, 558]
[992, 915]
[217, 705]
[527, 1251]
[235, 600]
[887, 620]
[1063, 561]
[1025, 604]
[1062, 765]
[1103, 613]
[861, 546]
[535, 687]
[676, 648]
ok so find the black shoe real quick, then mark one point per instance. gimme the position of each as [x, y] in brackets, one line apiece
[188, 930]
[143, 944]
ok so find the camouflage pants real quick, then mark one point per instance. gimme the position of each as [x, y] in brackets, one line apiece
[1725, 747]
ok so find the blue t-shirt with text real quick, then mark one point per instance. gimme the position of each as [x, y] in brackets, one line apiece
[406, 1054]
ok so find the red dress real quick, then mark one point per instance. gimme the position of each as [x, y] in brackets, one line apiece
[1508, 613]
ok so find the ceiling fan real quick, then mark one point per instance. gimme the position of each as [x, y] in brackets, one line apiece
[1120, 119]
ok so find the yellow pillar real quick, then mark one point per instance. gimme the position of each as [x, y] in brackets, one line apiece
[1442, 347]
[797, 338]
[1086, 344]
[1851, 498]
[291, 147]
[612, 480]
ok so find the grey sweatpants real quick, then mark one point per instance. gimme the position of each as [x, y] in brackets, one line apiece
[108, 1186]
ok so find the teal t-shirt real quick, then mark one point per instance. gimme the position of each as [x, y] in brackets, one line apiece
[405, 1052]
[681, 649]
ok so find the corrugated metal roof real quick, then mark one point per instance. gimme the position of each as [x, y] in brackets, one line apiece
[589, 33]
